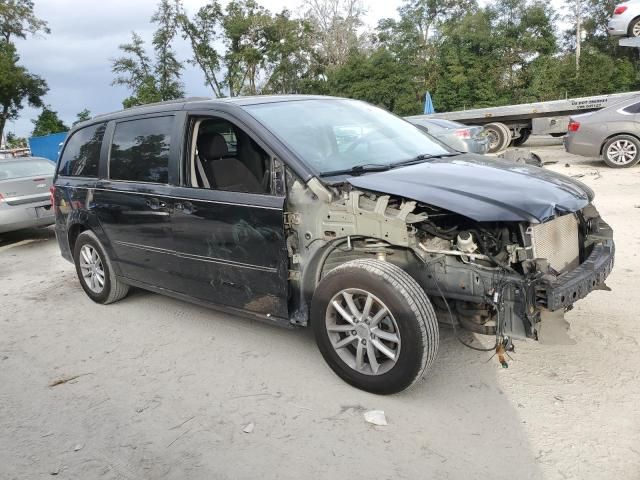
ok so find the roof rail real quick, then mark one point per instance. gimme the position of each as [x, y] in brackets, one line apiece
[155, 104]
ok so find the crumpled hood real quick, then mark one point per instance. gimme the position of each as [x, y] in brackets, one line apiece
[483, 189]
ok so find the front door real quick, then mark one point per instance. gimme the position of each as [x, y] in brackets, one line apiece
[228, 227]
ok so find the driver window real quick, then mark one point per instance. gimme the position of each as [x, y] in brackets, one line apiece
[224, 157]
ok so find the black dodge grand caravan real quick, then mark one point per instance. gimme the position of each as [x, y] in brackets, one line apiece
[330, 212]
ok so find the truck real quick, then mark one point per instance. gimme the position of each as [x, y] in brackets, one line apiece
[513, 124]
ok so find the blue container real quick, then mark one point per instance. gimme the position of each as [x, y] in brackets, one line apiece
[48, 146]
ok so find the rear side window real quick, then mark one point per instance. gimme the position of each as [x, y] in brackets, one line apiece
[635, 108]
[140, 150]
[25, 168]
[81, 155]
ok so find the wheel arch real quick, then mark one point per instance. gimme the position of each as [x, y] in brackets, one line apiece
[333, 254]
[604, 142]
[631, 22]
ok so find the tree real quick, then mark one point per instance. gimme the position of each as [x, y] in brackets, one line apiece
[13, 141]
[47, 123]
[157, 81]
[335, 24]
[202, 32]
[377, 78]
[17, 85]
[17, 19]
[244, 25]
[82, 116]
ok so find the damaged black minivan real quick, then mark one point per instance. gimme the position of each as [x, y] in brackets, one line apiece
[308, 210]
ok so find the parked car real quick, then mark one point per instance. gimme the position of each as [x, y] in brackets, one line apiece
[24, 193]
[458, 136]
[612, 133]
[625, 21]
[332, 213]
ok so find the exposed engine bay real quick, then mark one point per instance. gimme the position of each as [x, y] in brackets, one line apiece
[491, 278]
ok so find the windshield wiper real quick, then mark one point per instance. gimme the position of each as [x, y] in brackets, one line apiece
[358, 169]
[424, 157]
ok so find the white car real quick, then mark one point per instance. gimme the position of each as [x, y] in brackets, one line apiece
[625, 21]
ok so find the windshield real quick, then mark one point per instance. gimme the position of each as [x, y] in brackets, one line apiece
[333, 134]
[25, 168]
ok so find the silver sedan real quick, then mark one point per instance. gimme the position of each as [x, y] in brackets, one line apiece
[24, 193]
[612, 133]
[460, 137]
[625, 20]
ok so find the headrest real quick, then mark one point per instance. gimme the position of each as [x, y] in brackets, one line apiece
[212, 146]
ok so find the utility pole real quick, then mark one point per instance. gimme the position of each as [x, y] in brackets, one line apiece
[578, 33]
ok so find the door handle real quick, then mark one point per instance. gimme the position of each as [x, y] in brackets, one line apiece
[155, 204]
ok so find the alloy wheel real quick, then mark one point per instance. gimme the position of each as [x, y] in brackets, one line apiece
[363, 332]
[622, 152]
[92, 268]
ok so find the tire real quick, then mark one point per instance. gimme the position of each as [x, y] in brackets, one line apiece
[634, 28]
[111, 289]
[499, 136]
[525, 133]
[410, 318]
[621, 151]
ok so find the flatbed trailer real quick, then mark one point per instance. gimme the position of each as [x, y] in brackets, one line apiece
[513, 124]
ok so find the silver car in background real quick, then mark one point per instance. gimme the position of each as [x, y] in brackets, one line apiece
[612, 133]
[460, 137]
[24, 193]
[625, 21]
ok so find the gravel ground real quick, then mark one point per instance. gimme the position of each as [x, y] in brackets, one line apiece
[164, 389]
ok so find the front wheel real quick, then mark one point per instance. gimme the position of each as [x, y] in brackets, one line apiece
[374, 326]
[621, 151]
[95, 272]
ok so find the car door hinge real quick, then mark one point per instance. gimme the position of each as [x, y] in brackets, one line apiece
[292, 218]
[294, 274]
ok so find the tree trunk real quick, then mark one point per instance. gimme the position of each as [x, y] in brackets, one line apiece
[3, 120]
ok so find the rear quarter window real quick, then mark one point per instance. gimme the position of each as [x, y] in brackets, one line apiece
[635, 108]
[140, 150]
[81, 155]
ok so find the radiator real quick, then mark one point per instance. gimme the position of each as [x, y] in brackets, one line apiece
[558, 242]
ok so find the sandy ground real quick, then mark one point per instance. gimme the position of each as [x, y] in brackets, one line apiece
[165, 388]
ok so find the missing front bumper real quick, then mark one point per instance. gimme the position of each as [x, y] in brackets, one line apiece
[579, 282]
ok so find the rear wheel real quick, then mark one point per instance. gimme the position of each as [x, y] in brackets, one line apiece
[95, 272]
[374, 326]
[621, 151]
[499, 136]
[634, 28]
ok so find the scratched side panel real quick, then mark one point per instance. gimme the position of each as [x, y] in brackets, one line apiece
[231, 249]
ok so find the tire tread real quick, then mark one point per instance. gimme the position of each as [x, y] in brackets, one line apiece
[416, 299]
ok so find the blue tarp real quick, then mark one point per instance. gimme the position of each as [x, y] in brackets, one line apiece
[48, 146]
[428, 105]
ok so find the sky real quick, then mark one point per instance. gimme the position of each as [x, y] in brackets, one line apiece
[75, 59]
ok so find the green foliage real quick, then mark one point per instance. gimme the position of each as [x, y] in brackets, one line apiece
[465, 52]
[13, 141]
[377, 78]
[47, 123]
[83, 116]
[17, 85]
[17, 19]
[157, 80]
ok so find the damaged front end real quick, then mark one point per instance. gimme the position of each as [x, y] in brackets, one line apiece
[496, 278]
